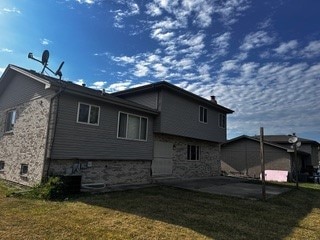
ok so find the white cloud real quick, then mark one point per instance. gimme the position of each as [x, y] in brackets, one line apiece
[231, 10]
[255, 40]
[6, 50]
[129, 8]
[221, 44]
[229, 65]
[153, 9]
[161, 71]
[10, 10]
[119, 86]
[160, 35]
[98, 85]
[79, 82]
[311, 50]
[286, 47]
[141, 70]
[86, 1]
[124, 59]
[45, 41]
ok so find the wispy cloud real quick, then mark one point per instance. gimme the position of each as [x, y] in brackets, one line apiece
[128, 8]
[256, 39]
[118, 86]
[286, 47]
[99, 85]
[6, 50]
[10, 10]
[45, 41]
[87, 1]
[2, 70]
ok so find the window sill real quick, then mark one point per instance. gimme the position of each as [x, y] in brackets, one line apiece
[8, 133]
[131, 139]
[89, 124]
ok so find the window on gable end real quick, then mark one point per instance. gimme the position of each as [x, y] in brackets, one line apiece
[203, 114]
[222, 120]
[10, 120]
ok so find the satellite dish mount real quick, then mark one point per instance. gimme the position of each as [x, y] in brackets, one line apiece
[44, 62]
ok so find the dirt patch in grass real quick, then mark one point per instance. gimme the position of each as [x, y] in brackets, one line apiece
[163, 213]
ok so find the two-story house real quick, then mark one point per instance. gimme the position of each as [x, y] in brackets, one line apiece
[54, 127]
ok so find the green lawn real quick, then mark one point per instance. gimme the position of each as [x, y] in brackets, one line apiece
[163, 213]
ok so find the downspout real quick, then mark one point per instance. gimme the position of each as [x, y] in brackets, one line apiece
[51, 133]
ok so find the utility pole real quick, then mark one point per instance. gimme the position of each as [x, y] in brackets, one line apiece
[295, 145]
[262, 164]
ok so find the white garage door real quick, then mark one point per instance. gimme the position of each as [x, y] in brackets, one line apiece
[162, 159]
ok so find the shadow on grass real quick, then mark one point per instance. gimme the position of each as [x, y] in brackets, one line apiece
[214, 216]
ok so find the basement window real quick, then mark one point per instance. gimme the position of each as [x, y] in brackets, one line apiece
[10, 120]
[24, 169]
[1, 165]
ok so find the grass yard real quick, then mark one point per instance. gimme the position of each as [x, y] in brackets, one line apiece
[162, 213]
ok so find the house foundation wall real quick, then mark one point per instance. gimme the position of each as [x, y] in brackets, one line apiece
[208, 165]
[109, 172]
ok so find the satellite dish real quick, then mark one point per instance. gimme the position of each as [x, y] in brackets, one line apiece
[44, 61]
[293, 139]
[45, 57]
[298, 144]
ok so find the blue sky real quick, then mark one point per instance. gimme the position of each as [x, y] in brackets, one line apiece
[259, 58]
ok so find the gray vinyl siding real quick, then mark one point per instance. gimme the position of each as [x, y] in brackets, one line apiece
[180, 116]
[77, 140]
[244, 156]
[22, 89]
[149, 99]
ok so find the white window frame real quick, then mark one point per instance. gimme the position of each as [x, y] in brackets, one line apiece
[198, 152]
[222, 120]
[205, 120]
[88, 120]
[12, 120]
[127, 125]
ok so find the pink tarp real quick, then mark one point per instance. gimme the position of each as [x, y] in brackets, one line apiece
[276, 175]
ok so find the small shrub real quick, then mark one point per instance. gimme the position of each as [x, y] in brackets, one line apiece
[49, 190]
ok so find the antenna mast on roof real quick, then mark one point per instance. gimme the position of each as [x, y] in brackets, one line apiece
[44, 62]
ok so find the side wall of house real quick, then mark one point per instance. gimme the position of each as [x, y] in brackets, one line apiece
[208, 164]
[243, 157]
[26, 143]
[82, 141]
[180, 116]
[95, 152]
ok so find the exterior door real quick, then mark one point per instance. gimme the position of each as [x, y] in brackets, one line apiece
[162, 159]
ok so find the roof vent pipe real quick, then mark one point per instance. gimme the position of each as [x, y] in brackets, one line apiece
[213, 99]
[83, 84]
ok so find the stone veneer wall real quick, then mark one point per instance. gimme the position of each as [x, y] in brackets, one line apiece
[26, 144]
[208, 165]
[110, 172]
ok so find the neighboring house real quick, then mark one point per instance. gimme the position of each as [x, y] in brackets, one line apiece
[308, 146]
[53, 127]
[241, 155]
